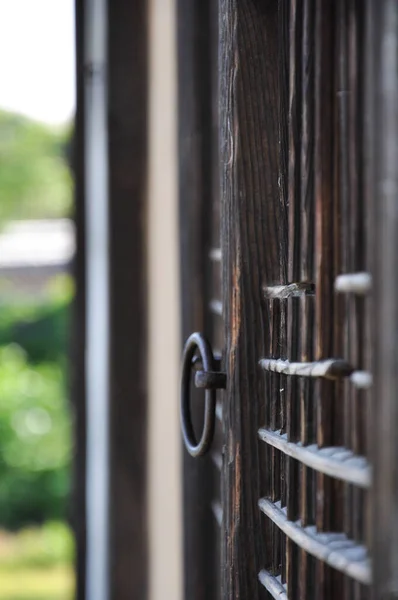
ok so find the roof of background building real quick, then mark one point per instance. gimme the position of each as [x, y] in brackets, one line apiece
[32, 244]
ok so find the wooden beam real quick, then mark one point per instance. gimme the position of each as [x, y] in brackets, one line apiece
[111, 183]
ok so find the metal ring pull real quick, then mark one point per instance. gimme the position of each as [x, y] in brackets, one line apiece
[208, 379]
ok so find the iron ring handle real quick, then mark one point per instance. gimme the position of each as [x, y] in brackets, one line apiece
[209, 380]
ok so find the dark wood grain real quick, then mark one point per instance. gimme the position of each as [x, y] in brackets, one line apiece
[273, 458]
[343, 302]
[294, 254]
[324, 259]
[252, 257]
[307, 303]
[127, 133]
[361, 398]
[324, 209]
[284, 100]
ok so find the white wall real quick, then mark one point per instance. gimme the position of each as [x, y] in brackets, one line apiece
[164, 434]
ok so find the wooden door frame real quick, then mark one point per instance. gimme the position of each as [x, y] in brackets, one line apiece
[123, 73]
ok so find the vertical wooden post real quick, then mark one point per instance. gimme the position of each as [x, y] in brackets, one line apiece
[128, 136]
[382, 200]
[111, 308]
[254, 255]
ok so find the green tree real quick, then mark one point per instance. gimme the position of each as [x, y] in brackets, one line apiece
[35, 433]
[35, 181]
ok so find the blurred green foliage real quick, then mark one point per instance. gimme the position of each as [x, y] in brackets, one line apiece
[35, 180]
[35, 440]
[35, 420]
[35, 417]
[42, 330]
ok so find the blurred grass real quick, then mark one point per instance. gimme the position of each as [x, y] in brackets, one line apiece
[37, 584]
[37, 563]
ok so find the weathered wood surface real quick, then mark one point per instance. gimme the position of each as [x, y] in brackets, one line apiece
[293, 229]
[319, 235]
[254, 255]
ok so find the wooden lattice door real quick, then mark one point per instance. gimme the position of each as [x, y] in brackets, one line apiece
[301, 88]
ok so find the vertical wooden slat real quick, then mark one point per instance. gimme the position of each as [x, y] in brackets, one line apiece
[283, 78]
[324, 256]
[293, 405]
[307, 303]
[324, 213]
[343, 302]
[295, 118]
[274, 401]
[283, 390]
[307, 143]
[251, 258]
[283, 120]
[357, 79]
[357, 261]
[367, 186]
[266, 454]
[382, 181]
[293, 432]
[307, 435]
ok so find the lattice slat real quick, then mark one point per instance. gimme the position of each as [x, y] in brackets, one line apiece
[336, 462]
[273, 585]
[334, 549]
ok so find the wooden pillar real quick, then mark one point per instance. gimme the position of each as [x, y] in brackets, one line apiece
[127, 131]
[381, 157]
[112, 170]
[254, 254]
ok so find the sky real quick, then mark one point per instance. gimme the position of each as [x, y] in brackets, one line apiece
[37, 59]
